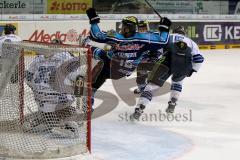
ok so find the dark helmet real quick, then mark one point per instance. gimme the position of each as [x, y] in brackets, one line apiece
[56, 41]
[129, 26]
[143, 25]
[179, 30]
[9, 29]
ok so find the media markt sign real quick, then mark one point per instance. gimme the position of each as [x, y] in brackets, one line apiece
[68, 6]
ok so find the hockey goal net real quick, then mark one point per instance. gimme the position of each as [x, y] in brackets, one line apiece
[45, 100]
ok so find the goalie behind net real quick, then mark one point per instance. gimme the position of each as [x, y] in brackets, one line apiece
[44, 87]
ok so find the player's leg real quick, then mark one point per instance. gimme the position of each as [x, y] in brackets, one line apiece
[68, 127]
[53, 109]
[176, 89]
[102, 76]
[97, 70]
[142, 73]
[157, 77]
[141, 78]
[40, 122]
[60, 118]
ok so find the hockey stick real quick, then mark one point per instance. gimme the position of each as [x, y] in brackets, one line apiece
[153, 9]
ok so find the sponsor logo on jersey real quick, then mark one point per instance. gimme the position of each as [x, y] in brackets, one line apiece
[68, 6]
[127, 55]
[128, 47]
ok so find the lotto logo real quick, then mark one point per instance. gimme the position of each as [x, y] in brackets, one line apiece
[68, 6]
[212, 33]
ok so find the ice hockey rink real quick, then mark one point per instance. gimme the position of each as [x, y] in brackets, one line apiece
[210, 101]
[213, 133]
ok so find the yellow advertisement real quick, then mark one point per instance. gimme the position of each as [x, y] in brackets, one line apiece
[2, 27]
[219, 46]
[68, 6]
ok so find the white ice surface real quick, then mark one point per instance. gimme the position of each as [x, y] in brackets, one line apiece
[213, 95]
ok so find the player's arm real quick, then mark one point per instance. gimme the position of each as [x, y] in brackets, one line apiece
[100, 54]
[164, 27]
[197, 58]
[162, 36]
[95, 33]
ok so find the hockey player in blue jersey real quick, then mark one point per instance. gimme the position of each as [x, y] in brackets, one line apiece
[128, 46]
[180, 59]
[146, 63]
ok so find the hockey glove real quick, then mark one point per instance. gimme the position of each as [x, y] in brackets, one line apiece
[164, 24]
[92, 15]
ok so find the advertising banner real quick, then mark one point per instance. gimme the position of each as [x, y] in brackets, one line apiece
[22, 6]
[68, 6]
[47, 31]
[191, 7]
[208, 35]
[213, 35]
[67, 31]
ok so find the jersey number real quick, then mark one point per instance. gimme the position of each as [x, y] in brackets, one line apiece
[126, 64]
[45, 74]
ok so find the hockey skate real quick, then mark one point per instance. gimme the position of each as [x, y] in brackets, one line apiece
[171, 107]
[137, 113]
[139, 89]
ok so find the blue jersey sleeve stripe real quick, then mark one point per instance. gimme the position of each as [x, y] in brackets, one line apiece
[163, 38]
[178, 85]
[198, 61]
[198, 58]
[197, 55]
[175, 89]
[147, 95]
[135, 40]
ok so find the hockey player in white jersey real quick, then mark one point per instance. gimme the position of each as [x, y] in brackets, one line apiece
[47, 78]
[180, 59]
[9, 35]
